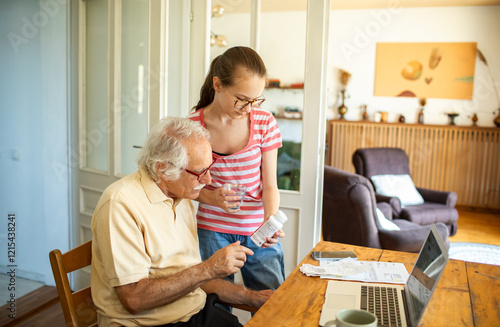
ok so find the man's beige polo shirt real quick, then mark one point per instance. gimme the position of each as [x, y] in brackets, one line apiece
[138, 232]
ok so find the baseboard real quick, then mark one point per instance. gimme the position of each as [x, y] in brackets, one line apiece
[478, 209]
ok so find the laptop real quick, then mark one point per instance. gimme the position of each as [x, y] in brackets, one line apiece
[394, 305]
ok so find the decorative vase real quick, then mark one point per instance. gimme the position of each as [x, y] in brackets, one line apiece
[342, 108]
[420, 119]
[474, 120]
[365, 113]
[452, 116]
[497, 119]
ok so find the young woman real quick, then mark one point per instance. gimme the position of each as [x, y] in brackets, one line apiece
[245, 141]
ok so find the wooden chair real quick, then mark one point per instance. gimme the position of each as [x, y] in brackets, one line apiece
[78, 307]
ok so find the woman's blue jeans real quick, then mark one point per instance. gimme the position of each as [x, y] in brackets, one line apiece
[265, 269]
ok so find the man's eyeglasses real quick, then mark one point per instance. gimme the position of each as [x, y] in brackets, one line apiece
[240, 104]
[201, 174]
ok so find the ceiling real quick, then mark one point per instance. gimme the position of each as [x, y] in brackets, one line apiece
[240, 6]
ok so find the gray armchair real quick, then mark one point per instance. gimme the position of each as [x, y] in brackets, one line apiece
[349, 216]
[438, 206]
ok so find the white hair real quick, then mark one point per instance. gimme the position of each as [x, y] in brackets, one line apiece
[164, 144]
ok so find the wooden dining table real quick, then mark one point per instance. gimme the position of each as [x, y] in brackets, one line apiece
[468, 294]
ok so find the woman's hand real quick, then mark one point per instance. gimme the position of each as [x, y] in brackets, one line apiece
[272, 241]
[226, 200]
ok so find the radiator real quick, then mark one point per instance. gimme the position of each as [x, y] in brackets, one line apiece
[465, 160]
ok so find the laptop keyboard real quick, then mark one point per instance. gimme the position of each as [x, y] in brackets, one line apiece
[383, 303]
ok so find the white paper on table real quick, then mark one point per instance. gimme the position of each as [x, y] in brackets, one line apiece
[344, 267]
[365, 271]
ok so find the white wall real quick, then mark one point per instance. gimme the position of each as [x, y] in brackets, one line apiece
[33, 130]
[355, 33]
[353, 38]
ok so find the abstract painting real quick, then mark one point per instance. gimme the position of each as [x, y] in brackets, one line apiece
[425, 70]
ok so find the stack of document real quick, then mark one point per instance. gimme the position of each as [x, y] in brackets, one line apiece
[365, 271]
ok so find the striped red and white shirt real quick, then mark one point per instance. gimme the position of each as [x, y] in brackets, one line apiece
[242, 167]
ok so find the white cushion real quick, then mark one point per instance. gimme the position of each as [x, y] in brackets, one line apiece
[384, 222]
[400, 186]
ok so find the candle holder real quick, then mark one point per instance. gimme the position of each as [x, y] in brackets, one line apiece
[420, 117]
[342, 108]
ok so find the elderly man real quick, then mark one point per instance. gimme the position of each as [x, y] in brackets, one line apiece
[146, 265]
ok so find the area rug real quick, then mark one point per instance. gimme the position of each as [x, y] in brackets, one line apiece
[475, 252]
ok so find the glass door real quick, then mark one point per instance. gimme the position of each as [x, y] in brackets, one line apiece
[133, 62]
[119, 92]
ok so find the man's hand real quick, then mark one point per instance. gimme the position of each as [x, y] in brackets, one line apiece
[228, 260]
[229, 292]
[272, 241]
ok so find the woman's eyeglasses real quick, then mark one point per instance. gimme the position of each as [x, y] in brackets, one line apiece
[240, 104]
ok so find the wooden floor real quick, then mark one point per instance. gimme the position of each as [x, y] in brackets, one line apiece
[38, 308]
[42, 307]
[477, 227]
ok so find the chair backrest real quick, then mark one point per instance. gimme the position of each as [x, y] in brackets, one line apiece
[349, 209]
[78, 307]
[380, 161]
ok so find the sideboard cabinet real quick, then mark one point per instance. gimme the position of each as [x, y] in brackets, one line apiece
[465, 160]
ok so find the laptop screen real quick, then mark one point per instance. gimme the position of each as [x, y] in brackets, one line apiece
[425, 275]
